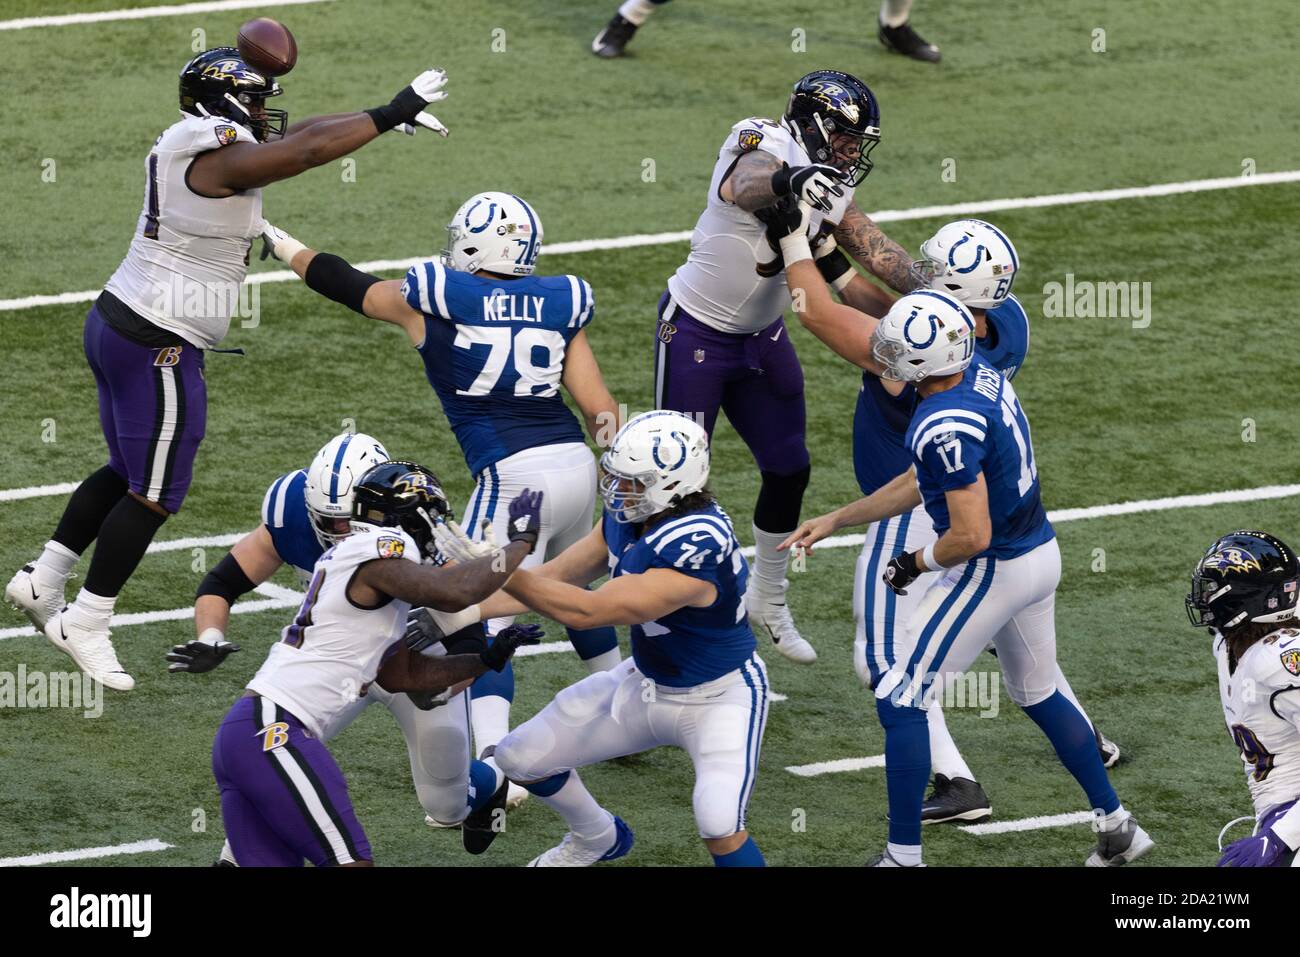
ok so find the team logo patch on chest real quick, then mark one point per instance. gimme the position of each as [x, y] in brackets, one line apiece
[1291, 661]
[390, 547]
[226, 135]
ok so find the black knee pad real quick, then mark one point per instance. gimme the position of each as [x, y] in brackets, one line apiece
[779, 500]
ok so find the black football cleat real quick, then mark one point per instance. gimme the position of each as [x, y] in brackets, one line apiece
[955, 799]
[479, 830]
[903, 39]
[1108, 750]
[611, 41]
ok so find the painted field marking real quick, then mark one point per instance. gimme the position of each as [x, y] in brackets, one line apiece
[1029, 823]
[660, 239]
[838, 766]
[85, 853]
[146, 13]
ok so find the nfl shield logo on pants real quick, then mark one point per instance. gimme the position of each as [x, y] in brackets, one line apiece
[699, 355]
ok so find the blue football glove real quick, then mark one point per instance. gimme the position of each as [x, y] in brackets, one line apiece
[1262, 850]
[526, 518]
[507, 641]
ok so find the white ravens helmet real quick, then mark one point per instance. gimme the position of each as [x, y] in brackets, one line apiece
[656, 460]
[331, 482]
[924, 334]
[498, 232]
[970, 260]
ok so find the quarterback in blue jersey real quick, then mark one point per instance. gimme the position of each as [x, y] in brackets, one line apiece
[975, 263]
[973, 467]
[695, 680]
[303, 514]
[497, 342]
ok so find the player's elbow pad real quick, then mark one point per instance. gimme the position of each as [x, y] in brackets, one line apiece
[335, 278]
[227, 581]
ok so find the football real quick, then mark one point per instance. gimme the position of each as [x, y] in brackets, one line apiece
[267, 45]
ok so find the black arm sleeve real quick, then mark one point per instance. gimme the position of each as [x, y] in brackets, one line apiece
[335, 278]
[226, 580]
[833, 265]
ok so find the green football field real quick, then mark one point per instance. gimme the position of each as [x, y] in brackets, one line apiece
[1196, 401]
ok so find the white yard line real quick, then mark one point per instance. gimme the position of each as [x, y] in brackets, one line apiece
[659, 239]
[837, 766]
[146, 13]
[37, 491]
[1029, 823]
[85, 853]
[280, 597]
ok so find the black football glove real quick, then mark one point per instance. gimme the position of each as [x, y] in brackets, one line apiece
[782, 218]
[816, 185]
[196, 657]
[526, 518]
[901, 572]
[507, 641]
[421, 630]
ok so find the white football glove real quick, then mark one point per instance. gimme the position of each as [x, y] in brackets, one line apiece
[794, 246]
[428, 121]
[454, 544]
[429, 85]
[817, 185]
[280, 244]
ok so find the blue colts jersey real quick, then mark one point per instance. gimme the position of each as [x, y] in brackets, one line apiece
[880, 419]
[494, 350]
[284, 513]
[978, 426]
[691, 645]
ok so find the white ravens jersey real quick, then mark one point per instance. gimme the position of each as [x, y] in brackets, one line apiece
[1261, 706]
[733, 279]
[189, 254]
[333, 649]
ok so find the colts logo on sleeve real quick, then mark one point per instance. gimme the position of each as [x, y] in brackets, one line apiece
[274, 736]
[168, 357]
[226, 135]
[749, 139]
[390, 547]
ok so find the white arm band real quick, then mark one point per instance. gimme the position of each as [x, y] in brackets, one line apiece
[931, 563]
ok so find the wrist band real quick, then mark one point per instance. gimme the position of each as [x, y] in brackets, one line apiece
[839, 285]
[931, 563]
[212, 636]
[795, 248]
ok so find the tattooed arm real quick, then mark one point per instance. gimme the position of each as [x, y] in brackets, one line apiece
[749, 184]
[863, 240]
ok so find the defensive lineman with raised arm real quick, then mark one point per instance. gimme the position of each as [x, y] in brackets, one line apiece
[695, 680]
[975, 263]
[283, 798]
[974, 468]
[721, 340]
[1244, 591]
[498, 342]
[172, 298]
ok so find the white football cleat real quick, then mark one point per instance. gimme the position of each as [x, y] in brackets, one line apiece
[1120, 846]
[773, 618]
[37, 593]
[572, 851]
[432, 823]
[90, 648]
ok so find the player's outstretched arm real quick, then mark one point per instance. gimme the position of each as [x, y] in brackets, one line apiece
[229, 170]
[337, 279]
[580, 564]
[252, 561]
[584, 382]
[967, 536]
[899, 496]
[881, 256]
[626, 600]
[405, 670]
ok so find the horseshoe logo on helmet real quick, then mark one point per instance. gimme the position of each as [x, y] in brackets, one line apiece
[654, 452]
[491, 214]
[934, 329]
[980, 253]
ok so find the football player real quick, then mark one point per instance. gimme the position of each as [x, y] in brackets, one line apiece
[498, 342]
[721, 337]
[974, 469]
[303, 514]
[695, 680]
[974, 262]
[895, 31]
[170, 299]
[283, 798]
[1244, 591]
[613, 40]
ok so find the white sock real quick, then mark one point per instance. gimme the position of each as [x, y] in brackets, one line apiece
[605, 661]
[94, 609]
[769, 565]
[57, 560]
[1063, 686]
[1114, 820]
[909, 855]
[489, 716]
[636, 11]
[573, 802]
[945, 759]
[894, 13]
[227, 854]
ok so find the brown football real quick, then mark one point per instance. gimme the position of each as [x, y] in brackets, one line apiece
[267, 45]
